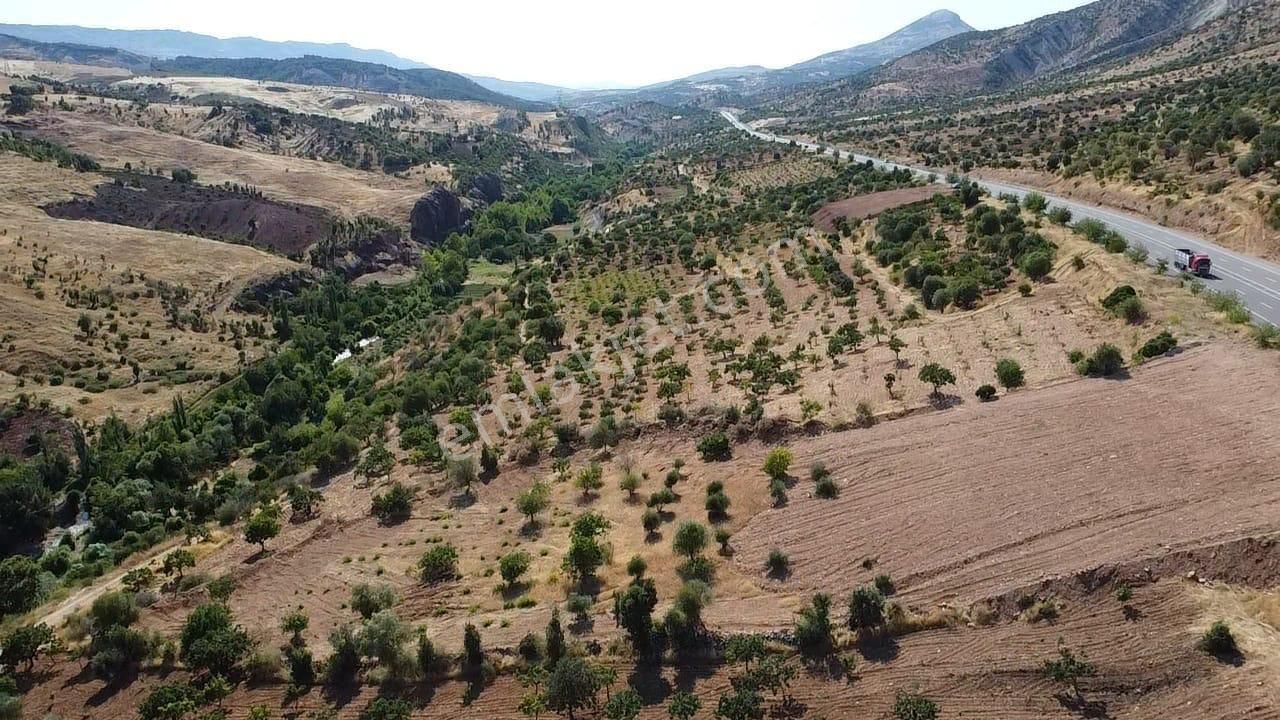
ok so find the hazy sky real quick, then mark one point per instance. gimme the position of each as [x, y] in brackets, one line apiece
[576, 43]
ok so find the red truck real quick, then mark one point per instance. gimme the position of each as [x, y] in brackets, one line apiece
[1192, 262]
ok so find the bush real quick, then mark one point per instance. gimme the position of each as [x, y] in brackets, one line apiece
[1036, 265]
[513, 565]
[717, 506]
[715, 448]
[1105, 361]
[367, 600]
[439, 564]
[1158, 345]
[826, 488]
[1131, 310]
[914, 706]
[1218, 640]
[884, 585]
[866, 609]
[986, 393]
[777, 564]
[210, 641]
[1009, 373]
[1118, 296]
[777, 463]
[393, 506]
[182, 175]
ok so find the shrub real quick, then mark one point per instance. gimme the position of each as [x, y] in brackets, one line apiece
[777, 463]
[1105, 361]
[1117, 296]
[1158, 345]
[182, 175]
[866, 609]
[884, 585]
[650, 520]
[1218, 640]
[1131, 310]
[393, 506]
[717, 505]
[439, 564]
[777, 564]
[986, 393]
[826, 488]
[368, 600]
[914, 706]
[1009, 373]
[715, 447]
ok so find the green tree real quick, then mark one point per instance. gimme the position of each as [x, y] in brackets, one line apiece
[377, 462]
[177, 561]
[572, 687]
[937, 376]
[590, 479]
[169, 701]
[554, 639]
[367, 599]
[295, 623]
[19, 585]
[633, 610]
[393, 506]
[533, 501]
[24, 644]
[690, 539]
[461, 472]
[513, 565]
[211, 641]
[263, 526]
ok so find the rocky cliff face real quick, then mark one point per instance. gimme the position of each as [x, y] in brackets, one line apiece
[997, 60]
[436, 215]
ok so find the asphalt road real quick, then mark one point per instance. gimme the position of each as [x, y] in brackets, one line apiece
[1256, 282]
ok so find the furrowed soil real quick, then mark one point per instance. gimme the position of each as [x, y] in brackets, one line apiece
[971, 502]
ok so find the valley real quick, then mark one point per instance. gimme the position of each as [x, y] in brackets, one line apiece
[338, 385]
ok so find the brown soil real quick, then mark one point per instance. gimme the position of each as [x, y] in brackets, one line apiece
[972, 502]
[19, 425]
[218, 213]
[865, 206]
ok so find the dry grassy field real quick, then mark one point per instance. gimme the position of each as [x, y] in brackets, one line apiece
[343, 190]
[56, 271]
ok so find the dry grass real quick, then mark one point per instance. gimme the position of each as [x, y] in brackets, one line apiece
[133, 266]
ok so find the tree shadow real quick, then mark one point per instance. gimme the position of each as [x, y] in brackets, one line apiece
[647, 680]
[531, 529]
[1232, 657]
[790, 707]
[1131, 613]
[462, 500]
[1077, 704]
[943, 401]
[511, 592]
[878, 648]
[261, 554]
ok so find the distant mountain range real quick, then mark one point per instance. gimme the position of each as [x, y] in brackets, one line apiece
[171, 44]
[166, 44]
[732, 84]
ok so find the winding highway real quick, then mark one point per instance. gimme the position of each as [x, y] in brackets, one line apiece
[1256, 282]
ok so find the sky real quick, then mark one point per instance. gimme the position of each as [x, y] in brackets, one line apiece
[572, 43]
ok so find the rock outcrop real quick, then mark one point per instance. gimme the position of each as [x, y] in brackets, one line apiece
[436, 215]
